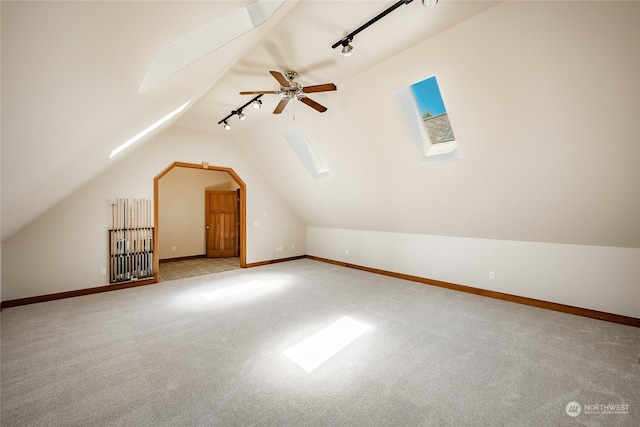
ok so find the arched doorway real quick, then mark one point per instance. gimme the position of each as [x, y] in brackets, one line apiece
[241, 190]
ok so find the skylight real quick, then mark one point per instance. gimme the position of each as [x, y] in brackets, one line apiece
[188, 49]
[424, 112]
[149, 129]
[305, 152]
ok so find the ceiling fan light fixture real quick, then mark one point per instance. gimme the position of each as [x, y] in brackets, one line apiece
[429, 3]
[347, 49]
[289, 90]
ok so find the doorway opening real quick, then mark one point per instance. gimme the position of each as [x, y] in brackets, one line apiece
[184, 229]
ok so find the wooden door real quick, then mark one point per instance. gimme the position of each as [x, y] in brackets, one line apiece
[222, 223]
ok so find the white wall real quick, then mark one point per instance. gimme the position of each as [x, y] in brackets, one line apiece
[545, 111]
[181, 209]
[594, 277]
[544, 98]
[63, 249]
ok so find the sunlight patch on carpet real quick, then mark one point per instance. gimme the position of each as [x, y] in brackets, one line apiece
[248, 289]
[316, 349]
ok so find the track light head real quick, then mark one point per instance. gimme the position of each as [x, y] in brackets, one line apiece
[238, 112]
[347, 49]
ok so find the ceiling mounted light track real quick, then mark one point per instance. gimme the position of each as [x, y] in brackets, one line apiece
[345, 42]
[257, 103]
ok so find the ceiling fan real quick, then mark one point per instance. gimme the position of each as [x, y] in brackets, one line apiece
[292, 89]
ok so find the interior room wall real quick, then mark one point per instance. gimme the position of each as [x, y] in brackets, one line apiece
[181, 209]
[546, 114]
[63, 249]
[594, 277]
[546, 122]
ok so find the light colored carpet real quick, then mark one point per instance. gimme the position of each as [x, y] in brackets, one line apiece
[163, 355]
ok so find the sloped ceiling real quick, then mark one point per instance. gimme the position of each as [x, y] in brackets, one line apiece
[71, 73]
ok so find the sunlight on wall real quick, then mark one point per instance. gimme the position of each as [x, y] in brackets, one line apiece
[148, 130]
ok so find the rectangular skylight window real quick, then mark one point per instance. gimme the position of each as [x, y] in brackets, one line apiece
[316, 349]
[423, 110]
[428, 99]
[191, 47]
[149, 129]
[305, 152]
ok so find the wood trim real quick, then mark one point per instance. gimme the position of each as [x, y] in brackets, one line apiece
[76, 293]
[99, 289]
[578, 311]
[182, 258]
[275, 261]
[243, 208]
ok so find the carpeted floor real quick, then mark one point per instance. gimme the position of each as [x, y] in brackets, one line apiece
[172, 355]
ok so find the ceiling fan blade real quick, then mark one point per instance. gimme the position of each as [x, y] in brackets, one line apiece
[283, 103]
[256, 92]
[319, 88]
[280, 78]
[313, 104]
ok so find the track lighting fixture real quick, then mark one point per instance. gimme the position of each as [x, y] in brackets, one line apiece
[238, 112]
[347, 49]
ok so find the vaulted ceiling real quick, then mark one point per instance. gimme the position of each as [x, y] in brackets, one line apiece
[72, 72]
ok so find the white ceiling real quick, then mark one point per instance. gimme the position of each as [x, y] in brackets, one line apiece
[71, 73]
[302, 42]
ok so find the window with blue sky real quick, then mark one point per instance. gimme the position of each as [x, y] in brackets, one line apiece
[427, 120]
[432, 110]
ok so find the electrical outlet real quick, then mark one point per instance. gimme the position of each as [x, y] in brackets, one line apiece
[279, 249]
[173, 248]
[293, 247]
[346, 251]
[103, 271]
[492, 275]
